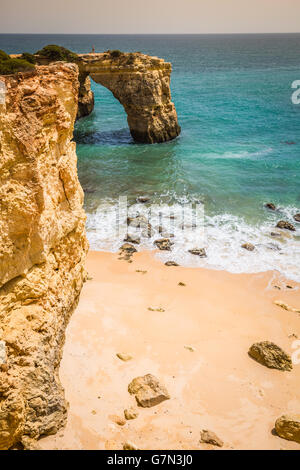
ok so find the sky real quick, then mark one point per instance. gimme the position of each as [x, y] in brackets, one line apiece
[149, 16]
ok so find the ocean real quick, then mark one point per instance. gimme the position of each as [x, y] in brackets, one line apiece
[239, 147]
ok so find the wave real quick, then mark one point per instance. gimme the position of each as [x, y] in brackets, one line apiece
[189, 227]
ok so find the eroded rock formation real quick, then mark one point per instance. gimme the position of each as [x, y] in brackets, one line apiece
[42, 246]
[85, 96]
[142, 85]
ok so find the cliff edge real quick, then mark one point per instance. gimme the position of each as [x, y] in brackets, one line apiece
[42, 246]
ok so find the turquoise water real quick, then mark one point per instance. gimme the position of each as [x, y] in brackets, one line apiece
[239, 147]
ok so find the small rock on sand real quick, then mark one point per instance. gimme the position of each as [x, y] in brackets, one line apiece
[198, 252]
[131, 413]
[128, 445]
[182, 284]
[271, 355]
[128, 248]
[248, 246]
[124, 356]
[156, 309]
[283, 224]
[190, 348]
[171, 263]
[148, 391]
[118, 420]
[209, 437]
[288, 427]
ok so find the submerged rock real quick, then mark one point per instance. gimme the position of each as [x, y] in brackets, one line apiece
[283, 224]
[248, 246]
[142, 199]
[288, 427]
[209, 437]
[198, 252]
[148, 391]
[270, 206]
[297, 217]
[271, 355]
[163, 244]
[132, 239]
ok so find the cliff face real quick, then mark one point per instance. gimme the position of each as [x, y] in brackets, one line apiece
[85, 96]
[142, 85]
[42, 246]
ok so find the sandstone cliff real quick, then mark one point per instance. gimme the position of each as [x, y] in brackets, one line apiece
[42, 246]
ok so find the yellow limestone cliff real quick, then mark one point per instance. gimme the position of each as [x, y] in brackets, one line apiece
[42, 246]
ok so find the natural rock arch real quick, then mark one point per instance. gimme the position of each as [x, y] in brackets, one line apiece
[141, 84]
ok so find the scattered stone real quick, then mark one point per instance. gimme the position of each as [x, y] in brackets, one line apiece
[286, 306]
[138, 221]
[270, 206]
[277, 287]
[289, 287]
[171, 263]
[190, 348]
[288, 427]
[140, 271]
[94, 412]
[124, 357]
[209, 437]
[118, 420]
[128, 445]
[181, 284]
[163, 244]
[131, 413]
[248, 246]
[148, 391]
[198, 252]
[297, 217]
[270, 355]
[275, 234]
[156, 309]
[142, 199]
[132, 239]
[128, 248]
[283, 224]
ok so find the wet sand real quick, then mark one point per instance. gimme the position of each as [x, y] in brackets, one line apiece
[217, 386]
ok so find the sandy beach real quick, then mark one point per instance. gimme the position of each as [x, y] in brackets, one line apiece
[197, 347]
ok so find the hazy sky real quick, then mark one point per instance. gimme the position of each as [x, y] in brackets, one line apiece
[149, 16]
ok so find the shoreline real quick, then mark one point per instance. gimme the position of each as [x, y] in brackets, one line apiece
[198, 347]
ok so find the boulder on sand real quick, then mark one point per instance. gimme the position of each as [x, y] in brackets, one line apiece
[198, 252]
[163, 244]
[288, 427]
[148, 391]
[270, 355]
[283, 224]
[209, 437]
[248, 246]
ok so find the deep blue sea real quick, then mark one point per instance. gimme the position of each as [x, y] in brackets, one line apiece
[239, 147]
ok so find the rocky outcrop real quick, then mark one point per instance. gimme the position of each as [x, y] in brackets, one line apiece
[42, 246]
[142, 85]
[85, 96]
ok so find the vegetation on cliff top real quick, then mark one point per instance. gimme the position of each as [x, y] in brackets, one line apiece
[57, 53]
[9, 66]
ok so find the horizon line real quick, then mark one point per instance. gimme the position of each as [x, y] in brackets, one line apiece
[154, 34]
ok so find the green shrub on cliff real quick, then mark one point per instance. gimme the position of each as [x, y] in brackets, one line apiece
[29, 57]
[9, 65]
[58, 53]
[115, 54]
